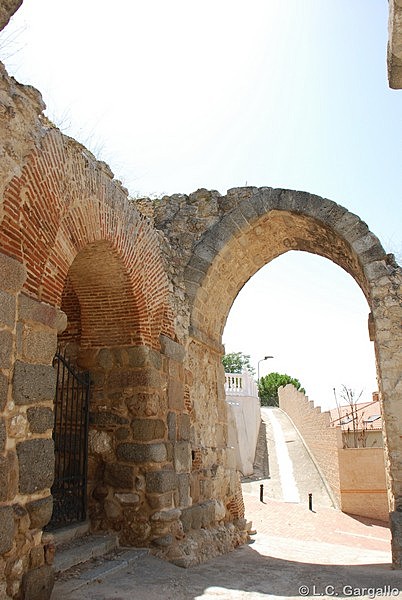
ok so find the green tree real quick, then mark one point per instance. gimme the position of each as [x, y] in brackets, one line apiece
[237, 362]
[268, 387]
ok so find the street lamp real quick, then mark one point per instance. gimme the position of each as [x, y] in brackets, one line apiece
[258, 367]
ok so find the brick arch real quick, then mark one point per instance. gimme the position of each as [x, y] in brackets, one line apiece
[98, 299]
[65, 202]
[259, 225]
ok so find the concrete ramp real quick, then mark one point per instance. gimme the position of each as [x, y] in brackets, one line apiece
[293, 473]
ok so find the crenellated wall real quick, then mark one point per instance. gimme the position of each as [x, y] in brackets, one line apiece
[322, 440]
[356, 476]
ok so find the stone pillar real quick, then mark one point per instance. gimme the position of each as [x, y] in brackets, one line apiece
[139, 449]
[28, 335]
[386, 282]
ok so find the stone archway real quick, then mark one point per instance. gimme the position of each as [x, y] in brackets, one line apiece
[103, 336]
[253, 227]
[71, 238]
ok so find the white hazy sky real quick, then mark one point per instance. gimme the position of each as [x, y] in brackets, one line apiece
[286, 93]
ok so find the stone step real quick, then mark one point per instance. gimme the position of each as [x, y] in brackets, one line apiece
[83, 549]
[97, 570]
[65, 535]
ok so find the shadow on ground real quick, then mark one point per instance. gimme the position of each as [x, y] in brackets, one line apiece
[244, 573]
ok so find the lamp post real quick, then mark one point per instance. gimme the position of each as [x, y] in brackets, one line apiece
[258, 367]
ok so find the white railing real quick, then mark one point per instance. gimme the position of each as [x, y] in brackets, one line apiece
[240, 384]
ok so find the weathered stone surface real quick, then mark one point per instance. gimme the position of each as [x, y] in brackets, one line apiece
[127, 498]
[7, 309]
[40, 419]
[36, 557]
[6, 528]
[40, 512]
[33, 383]
[184, 489]
[36, 465]
[4, 478]
[172, 349]
[141, 453]
[159, 501]
[112, 509]
[105, 358]
[199, 515]
[60, 321]
[3, 434]
[396, 530]
[147, 404]
[37, 584]
[164, 541]
[100, 442]
[166, 516]
[7, 9]
[182, 457]
[394, 50]
[171, 422]
[100, 492]
[6, 348]
[12, 274]
[160, 481]
[3, 391]
[31, 310]
[133, 378]
[184, 427]
[176, 394]
[105, 418]
[140, 483]
[191, 517]
[119, 476]
[123, 433]
[148, 429]
[139, 356]
[36, 345]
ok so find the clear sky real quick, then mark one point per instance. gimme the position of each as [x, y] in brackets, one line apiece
[285, 93]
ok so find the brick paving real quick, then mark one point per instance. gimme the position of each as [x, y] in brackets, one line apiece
[294, 553]
[295, 523]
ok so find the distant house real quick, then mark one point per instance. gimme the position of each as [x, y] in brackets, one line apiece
[361, 424]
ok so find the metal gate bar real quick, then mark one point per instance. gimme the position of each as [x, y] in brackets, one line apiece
[70, 436]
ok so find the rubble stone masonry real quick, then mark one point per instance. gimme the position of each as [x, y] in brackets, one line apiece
[138, 293]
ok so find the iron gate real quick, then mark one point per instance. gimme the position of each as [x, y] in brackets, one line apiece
[70, 435]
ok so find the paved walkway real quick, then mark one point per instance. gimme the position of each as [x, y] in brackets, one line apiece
[293, 474]
[295, 552]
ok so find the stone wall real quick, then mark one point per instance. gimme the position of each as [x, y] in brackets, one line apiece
[28, 332]
[394, 53]
[249, 227]
[7, 9]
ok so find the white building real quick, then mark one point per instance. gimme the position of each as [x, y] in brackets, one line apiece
[244, 417]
